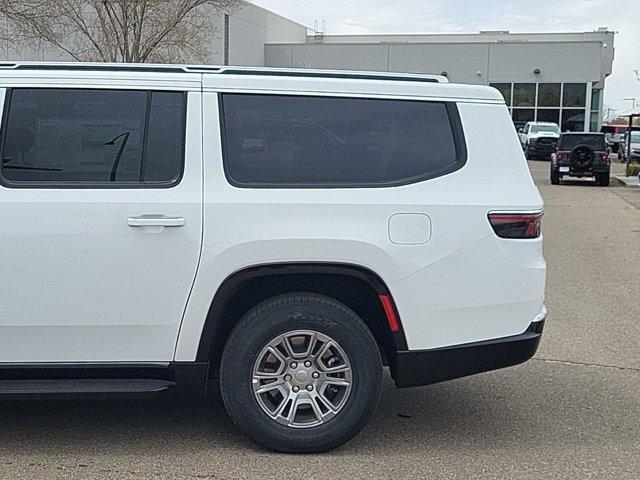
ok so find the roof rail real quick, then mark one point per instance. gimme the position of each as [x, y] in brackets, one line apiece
[252, 71]
[300, 73]
[109, 67]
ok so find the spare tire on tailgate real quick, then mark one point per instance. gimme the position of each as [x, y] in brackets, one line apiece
[581, 157]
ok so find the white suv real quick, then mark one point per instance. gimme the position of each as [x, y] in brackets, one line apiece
[281, 234]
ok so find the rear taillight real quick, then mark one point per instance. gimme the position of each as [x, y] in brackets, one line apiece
[604, 156]
[559, 155]
[516, 225]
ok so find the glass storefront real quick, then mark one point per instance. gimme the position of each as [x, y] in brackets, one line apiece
[562, 103]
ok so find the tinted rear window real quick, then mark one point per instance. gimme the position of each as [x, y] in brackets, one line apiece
[91, 137]
[275, 140]
[569, 142]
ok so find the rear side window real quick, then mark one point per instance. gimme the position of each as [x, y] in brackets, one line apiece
[58, 137]
[290, 141]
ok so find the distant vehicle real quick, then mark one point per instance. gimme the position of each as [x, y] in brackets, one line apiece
[613, 135]
[581, 155]
[635, 147]
[539, 139]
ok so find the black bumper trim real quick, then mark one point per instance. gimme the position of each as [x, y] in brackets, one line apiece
[415, 368]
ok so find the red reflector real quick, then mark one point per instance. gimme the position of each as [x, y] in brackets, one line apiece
[516, 225]
[390, 312]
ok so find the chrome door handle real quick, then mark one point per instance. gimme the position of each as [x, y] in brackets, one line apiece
[156, 221]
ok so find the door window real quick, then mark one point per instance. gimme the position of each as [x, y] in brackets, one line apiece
[61, 137]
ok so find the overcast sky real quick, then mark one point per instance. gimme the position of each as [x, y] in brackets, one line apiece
[471, 16]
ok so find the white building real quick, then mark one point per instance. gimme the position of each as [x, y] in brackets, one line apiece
[555, 77]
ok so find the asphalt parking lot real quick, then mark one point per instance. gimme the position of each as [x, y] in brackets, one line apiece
[571, 412]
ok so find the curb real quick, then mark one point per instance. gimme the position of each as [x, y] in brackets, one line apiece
[629, 182]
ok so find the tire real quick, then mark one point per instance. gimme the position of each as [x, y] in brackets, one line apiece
[527, 153]
[555, 177]
[603, 179]
[243, 359]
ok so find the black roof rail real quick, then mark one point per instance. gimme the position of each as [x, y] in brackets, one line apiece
[291, 73]
[108, 67]
[329, 74]
[104, 68]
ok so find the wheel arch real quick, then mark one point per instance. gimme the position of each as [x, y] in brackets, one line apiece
[357, 287]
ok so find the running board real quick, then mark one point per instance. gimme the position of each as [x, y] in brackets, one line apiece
[109, 388]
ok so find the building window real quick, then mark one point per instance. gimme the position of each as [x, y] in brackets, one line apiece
[505, 90]
[574, 95]
[549, 115]
[593, 122]
[524, 94]
[549, 95]
[522, 116]
[572, 120]
[595, 99]
[595, 110]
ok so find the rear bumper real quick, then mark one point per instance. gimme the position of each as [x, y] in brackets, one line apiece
[414, 368]
[583, 172]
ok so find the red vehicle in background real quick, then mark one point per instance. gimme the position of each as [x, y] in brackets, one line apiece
[613, 135]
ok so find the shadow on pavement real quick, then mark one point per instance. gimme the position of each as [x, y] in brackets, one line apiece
[537, 405]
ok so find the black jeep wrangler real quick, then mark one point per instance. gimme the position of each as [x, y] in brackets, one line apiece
[581, 155]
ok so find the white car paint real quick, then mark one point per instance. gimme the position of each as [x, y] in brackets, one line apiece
[80, 285]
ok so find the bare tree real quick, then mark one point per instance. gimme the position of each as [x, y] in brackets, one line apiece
[608, 113]
[168, 31]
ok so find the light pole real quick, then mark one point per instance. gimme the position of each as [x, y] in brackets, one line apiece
[631, 116]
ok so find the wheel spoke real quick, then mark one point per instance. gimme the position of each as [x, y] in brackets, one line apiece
[277, 385]
[328, 405]
[266, 375]
[337, 369]
[316, 409]
[338, 382]
[300, 355]
[293, 410]
[276, 353]
[323, 350]
[281, 407]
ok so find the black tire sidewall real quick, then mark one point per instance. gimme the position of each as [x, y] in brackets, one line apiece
[300, 312]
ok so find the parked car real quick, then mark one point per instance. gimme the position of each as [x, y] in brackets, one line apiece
[614, 135]
[581, 155]
[277, 234]
[634, 154]
[539, 139]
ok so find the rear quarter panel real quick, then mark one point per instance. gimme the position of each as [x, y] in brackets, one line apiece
[463, 285]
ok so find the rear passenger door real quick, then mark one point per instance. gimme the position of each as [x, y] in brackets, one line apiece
[100, 207]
